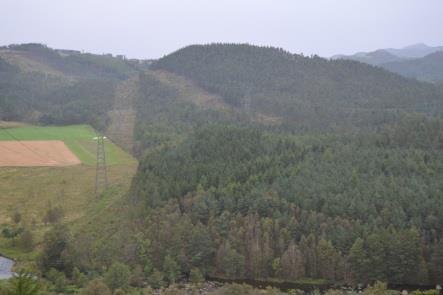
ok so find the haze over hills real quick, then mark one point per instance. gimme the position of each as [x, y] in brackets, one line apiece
[414, 51]
[374, 57]
[417, 61]
[428, 68]
[254, 163]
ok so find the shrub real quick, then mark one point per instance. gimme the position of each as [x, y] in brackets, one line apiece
[96, 287]
[117, 276]
[27, 240]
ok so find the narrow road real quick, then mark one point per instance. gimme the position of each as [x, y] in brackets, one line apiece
[5, 268]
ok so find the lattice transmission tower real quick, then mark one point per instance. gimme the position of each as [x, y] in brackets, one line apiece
[101, 174]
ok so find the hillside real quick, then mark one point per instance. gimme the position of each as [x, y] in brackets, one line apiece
[241, 203]
[48, 86]
[244, 199]
[428, 68]
[37, 57]
[254, 163]
[35, 199]
[307, 92]
[169, 109]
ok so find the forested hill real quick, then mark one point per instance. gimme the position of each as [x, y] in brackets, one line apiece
[227, 196]
[310, 91]
[50, 86]
[220, 191]
[38, 57]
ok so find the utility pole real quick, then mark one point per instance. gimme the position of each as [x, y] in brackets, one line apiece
[101, 174]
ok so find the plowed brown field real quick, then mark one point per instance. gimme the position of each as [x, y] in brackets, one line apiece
[36, 153]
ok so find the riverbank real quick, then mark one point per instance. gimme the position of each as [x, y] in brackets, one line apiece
[307, 286]
[311, 285]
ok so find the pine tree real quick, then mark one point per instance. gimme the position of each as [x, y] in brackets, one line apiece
[358, 261]
[327, 260]
[171, 269]
[376, 254]
[436, 263]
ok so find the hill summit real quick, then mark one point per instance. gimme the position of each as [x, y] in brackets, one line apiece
[309, 91]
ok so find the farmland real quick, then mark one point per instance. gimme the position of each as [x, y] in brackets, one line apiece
[31, 191]
[78, 138]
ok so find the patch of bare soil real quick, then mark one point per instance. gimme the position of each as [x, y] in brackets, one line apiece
[36, 153]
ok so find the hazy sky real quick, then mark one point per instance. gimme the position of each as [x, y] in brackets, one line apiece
[150, 29]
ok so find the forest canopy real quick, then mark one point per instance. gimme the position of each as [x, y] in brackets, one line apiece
[346, 189]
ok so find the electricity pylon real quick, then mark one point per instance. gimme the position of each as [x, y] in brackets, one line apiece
[101, 174]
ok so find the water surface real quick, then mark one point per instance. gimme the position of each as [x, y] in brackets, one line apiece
[5, 268]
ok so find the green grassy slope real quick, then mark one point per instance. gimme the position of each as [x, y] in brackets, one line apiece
[79, 138]
[31, 191]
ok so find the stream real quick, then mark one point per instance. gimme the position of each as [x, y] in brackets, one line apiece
[5, 268]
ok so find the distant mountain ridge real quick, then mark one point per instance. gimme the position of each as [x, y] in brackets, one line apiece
[414, 51]
[374, 58]
[418, 50]
[428, 68]
[418, 61]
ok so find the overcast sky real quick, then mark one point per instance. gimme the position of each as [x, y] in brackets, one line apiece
[151, 29]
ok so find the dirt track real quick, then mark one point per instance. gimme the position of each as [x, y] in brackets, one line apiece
[36, 153]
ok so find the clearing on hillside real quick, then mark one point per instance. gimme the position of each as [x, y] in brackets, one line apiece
[36, 153]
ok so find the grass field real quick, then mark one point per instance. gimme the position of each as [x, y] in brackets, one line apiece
[30, 190]
[79, 139]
